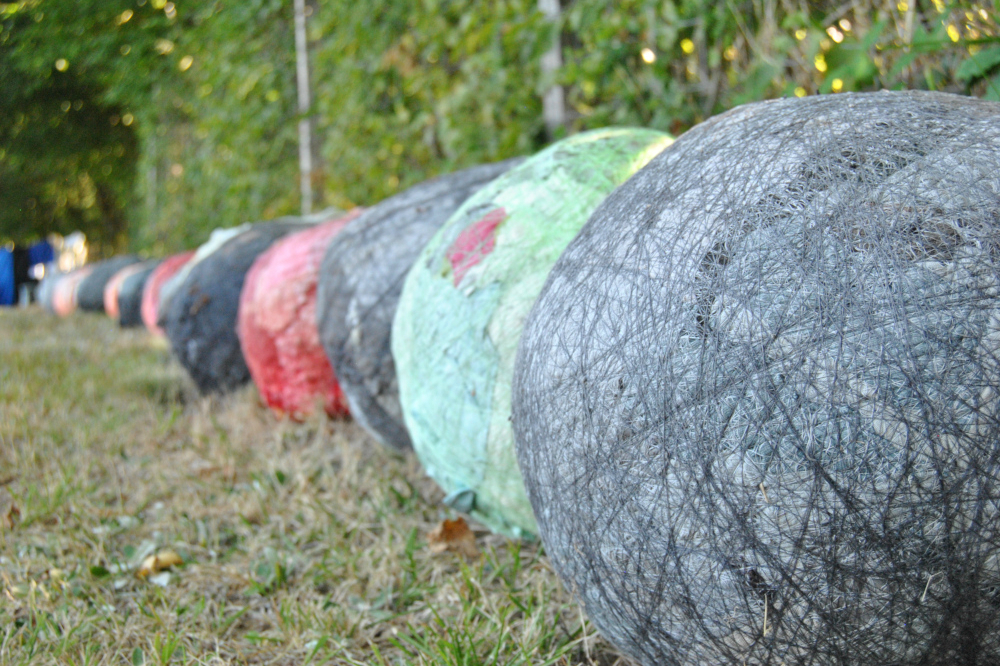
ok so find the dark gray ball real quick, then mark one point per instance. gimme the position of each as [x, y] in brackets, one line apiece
[200, 318]
[359, 285]
[756, 405]
[130, 296]
[90, 296]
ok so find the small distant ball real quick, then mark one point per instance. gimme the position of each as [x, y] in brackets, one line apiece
[150, 306]
[64, 293]
[114, 285]
[47, 287]
[130, 295]
[465, 300]
[757, 403]
[90, 293]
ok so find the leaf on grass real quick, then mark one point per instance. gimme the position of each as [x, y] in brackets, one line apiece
[11, 516]
[454, 536]
[154, 564]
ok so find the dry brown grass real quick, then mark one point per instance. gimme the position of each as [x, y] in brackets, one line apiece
[302, 543]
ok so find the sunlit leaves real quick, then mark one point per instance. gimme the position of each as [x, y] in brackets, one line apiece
[228, 121]
[76, 73]
[405, 91]
[451, 83]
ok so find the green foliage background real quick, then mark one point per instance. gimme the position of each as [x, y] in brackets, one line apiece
[171, 119]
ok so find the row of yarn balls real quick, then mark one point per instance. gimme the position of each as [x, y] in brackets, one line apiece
[743, 384]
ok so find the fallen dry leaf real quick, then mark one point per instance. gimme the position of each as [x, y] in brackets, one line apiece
[454, 536]
[206, 470]
[158, 562]
[11, 516]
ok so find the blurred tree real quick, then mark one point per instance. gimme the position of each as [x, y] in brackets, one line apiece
[219, 139]
[402, 91]
[63, 164]
[69, 75]
[405, 91]
[670, 64]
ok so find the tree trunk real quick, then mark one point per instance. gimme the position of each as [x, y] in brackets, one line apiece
[553, 101]
[306, 155]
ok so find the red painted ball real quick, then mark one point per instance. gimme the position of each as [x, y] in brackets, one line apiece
[151, 292]
[277, 325]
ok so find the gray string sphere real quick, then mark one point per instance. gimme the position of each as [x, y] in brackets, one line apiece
[359, 285]
[756, 404]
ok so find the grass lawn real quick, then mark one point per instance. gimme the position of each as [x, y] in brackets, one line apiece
[301, 543]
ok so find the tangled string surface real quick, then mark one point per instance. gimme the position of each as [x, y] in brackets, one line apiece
[756, 403]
